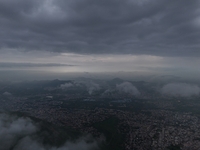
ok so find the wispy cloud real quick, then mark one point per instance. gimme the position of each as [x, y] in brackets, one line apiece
[21, 65]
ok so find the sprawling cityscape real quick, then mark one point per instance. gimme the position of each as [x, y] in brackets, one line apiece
[129, 115]
[99, 75]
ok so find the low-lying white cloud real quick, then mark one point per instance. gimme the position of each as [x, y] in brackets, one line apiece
[89, 85]
[12, 128]
[92, 87]
[20, 133]
[127, 87]
[180, 89]
[7, 94]
[66, 85]
[29, 144]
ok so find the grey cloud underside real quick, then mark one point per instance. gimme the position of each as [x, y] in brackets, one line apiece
[156, 27]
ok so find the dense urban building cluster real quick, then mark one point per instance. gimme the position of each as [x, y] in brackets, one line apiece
[146, 129]
[122, 120]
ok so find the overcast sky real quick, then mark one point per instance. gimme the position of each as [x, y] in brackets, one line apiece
[157, 36]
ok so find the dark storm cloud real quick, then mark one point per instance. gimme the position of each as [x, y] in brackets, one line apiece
[155, 27]
[14, 65]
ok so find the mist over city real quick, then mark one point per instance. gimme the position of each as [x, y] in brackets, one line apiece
[99, 75]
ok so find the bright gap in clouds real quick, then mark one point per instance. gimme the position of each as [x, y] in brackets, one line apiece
[109, 62]
[80, 63]
[131, 63]
[72, 62]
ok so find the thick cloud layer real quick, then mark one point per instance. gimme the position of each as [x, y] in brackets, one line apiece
[21, 134]
[155, 27]
[180, 89]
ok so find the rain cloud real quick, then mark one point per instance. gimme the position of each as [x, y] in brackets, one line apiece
[156, 27]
